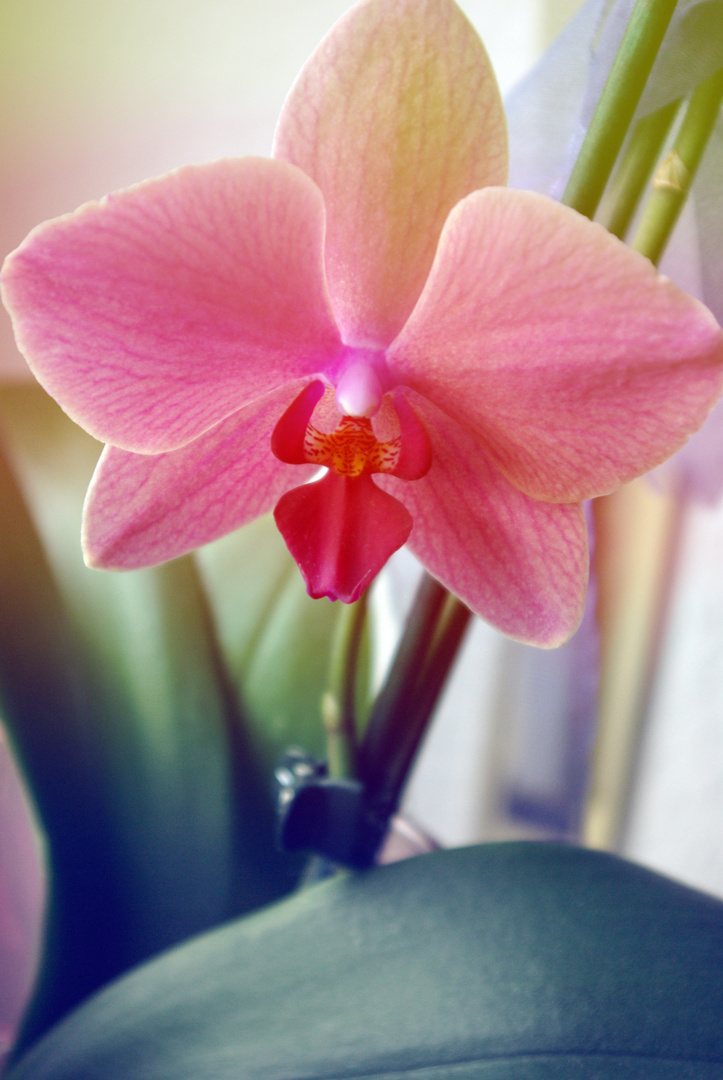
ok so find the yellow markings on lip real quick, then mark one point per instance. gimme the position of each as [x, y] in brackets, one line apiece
[352, 448]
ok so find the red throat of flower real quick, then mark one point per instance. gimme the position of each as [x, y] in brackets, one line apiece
[342, 528]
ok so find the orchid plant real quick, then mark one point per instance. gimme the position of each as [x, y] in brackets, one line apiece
[468, 362]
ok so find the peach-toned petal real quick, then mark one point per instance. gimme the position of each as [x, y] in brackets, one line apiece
[157, 312]
[415, 450]
[396, 117]
[142, 509]
[519, 563]
[574, 362]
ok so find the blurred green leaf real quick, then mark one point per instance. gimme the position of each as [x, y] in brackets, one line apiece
[503, 962]
[277, 643]
[148, 720]
[156, 807]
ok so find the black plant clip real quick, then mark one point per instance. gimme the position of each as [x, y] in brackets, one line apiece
[328, 817]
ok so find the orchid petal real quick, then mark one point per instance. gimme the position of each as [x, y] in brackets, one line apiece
[520, 564]
[696, 471]
[396, 117]
[144, 509]
[415, 453]
[341, 530]
[155, 313]
[287, 438]
[572, 360]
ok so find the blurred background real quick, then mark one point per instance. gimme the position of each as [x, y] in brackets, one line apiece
[606, 741]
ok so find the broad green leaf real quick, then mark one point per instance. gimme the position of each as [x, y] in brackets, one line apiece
[502, 962]
[158, 818]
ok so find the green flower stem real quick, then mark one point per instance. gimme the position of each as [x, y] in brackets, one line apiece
[338, 704]
[675, 175]
[449, 634]
[451, 628]
[635, 168]
[388, 722]
[617, 104]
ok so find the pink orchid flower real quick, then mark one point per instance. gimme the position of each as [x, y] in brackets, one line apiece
[468, 362]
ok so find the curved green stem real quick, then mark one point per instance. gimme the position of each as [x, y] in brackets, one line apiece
[449, 632]
[635, 168]
[389, 717]
[338, 704]
[618, 102]
[675, 175]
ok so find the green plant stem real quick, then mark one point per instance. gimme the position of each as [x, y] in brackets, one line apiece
[449, 632]
[618, 102]
[338, 704]
[389, 716]
[635, 168]
[451, 628]
[675, 175]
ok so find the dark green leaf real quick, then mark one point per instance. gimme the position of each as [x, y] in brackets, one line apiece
[504, 962]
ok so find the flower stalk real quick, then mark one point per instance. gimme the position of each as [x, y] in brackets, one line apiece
[675, 175]
[635, 169]
[416, 713]
[389, 718]
[618, 102]
[338, 703]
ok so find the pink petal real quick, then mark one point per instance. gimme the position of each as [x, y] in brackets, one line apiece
[575, 364]
[341, 530]
[519, 563]
[158, 311]
[697, 470]
[287, 438]
[415, 455]
[144, 509]
[396, 117]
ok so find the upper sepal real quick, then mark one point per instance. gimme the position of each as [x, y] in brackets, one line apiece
[396, 116]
